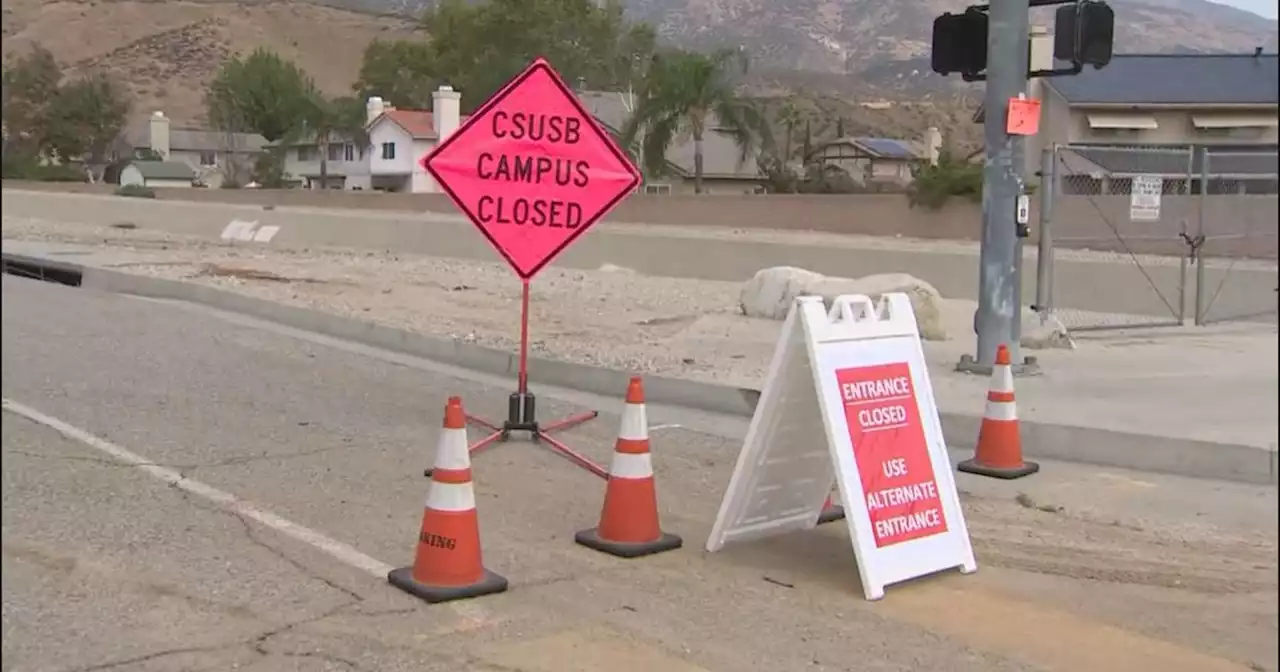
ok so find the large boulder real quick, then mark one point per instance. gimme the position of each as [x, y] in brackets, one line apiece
[770, 293]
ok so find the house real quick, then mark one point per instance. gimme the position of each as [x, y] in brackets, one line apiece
[398, 139]
[722, 170]
[1228, 102]
[157, 174]
[212, 155]
[882, 161]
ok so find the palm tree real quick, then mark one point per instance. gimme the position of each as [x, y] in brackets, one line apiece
[789, 116]
[327, 119]
[683, 93]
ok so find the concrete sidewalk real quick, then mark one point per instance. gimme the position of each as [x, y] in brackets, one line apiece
[1191, 401]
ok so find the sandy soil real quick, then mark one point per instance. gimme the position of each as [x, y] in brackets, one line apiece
[611, 317]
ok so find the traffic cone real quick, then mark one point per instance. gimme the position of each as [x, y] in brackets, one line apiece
[830, 512]
[999, 451]
[447, 565]
[629, 520]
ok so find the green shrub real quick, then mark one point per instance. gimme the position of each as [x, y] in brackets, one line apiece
[935, 184]
[136, 191]
[19, 167]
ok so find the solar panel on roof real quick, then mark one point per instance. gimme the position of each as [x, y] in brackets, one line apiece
[888, 147]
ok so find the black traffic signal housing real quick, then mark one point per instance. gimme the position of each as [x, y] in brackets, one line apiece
[960, 43]
[1084, 33]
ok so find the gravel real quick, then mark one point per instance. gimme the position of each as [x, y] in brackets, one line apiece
[612, 317]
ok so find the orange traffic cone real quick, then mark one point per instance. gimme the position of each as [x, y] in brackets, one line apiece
[447, 565]
[629, 521]
[999, 451]
[830, 512]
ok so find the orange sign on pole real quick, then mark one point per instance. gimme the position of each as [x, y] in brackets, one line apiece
[1023, 117]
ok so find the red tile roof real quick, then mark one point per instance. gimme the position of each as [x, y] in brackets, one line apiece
[418, 123]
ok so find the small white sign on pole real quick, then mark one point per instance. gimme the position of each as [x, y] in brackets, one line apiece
[1144, 200]
[848, 400]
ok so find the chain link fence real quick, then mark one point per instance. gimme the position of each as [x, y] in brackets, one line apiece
[1133, 234]
[1236, 276]
[1121, 218]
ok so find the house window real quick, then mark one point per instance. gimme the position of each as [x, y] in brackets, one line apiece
[208, 158]
[1233, 132]
[389, 150]
[306, 153]
[657, 189]
[349, 152]
[335, 152]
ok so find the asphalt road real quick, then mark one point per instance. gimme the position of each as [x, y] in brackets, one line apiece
[315, 450]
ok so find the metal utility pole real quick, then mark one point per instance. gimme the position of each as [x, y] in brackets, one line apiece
[998, 310]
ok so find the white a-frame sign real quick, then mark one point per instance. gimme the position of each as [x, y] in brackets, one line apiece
[848, 400]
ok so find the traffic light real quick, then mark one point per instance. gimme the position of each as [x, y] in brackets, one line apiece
[960, 43]
[1083, 33]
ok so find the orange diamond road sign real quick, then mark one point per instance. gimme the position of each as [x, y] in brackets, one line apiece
[532, 169]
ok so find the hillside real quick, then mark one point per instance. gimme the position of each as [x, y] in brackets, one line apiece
[852, 36]
[166, 51]
[830, 52]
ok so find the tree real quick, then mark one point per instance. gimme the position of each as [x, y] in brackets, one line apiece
[401, 72]
[686, 93]
[86, 118]
[789, 117]
[30, 87]
[806, 149]
[326, 120]
[951, 176]
[262, 93]
[477, 47]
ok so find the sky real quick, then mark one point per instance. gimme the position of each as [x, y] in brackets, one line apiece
[1266, 8]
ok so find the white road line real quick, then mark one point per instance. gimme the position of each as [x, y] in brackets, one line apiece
[475, 615]
[342, 552]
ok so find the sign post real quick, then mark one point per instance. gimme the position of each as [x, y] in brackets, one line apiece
[533, 170]
[848, 400]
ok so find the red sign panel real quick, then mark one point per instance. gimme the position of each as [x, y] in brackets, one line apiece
[891, 453]
[532, 169]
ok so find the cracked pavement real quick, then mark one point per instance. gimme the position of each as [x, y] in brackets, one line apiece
[107, 568]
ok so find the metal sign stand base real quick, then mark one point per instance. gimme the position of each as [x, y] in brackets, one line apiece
[522, 411]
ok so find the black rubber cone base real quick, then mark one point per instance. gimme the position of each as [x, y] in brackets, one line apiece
[831, 514]
[591, 539]
[976, 467]
[403, 579]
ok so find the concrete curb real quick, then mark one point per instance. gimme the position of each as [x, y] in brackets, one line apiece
[1202, 459]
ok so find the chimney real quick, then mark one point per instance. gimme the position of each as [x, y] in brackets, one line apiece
[373, 109]
[933, 144]
[159, 134]
[444, 111]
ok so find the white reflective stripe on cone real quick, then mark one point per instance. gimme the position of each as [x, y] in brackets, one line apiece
[451, 497]
[1001, 410]
[635, 423]
[631, 465]
[1002, 379]
[452, 453]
